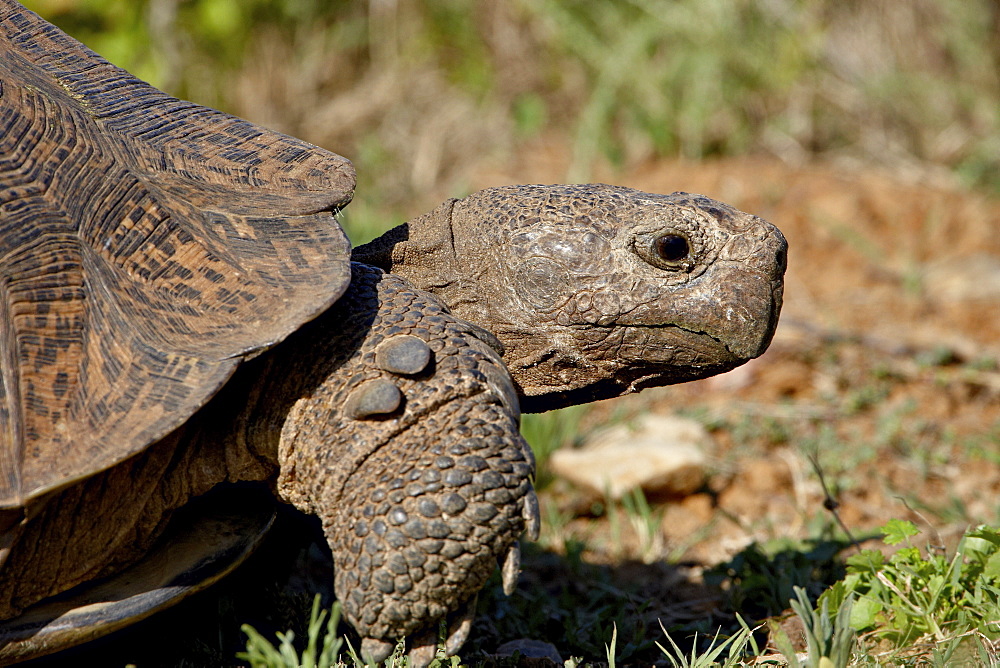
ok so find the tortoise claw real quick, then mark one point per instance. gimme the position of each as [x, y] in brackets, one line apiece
[510, 568]
[532, 516]
[424, 647]
[422, 655]
[461, 624]
[374, 650]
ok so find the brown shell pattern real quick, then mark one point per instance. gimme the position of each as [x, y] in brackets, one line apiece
[147, 246]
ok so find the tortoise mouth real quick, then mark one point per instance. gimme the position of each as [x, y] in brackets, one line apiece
[601, 362]
[674, 347]
[624, 382]
[733, 333]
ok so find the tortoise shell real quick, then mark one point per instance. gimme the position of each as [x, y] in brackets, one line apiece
[147, 246]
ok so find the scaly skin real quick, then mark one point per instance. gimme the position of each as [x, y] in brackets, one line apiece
[418, 502]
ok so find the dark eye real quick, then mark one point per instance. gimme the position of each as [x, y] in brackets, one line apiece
[671, 247]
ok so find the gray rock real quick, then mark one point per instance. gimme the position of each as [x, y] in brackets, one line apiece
[533, 649]
[969, 278]
[662, 455]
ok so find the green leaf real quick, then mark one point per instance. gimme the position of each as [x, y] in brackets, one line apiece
[897, 531]
[907, 556]
[980, 544]
[865, 613]
[867, 561]
[991, 570]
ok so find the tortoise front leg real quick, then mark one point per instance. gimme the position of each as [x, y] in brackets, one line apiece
[408, 449]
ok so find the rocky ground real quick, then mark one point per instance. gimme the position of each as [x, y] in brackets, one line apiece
[881, 392]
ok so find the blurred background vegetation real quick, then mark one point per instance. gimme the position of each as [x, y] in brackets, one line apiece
[416, 93]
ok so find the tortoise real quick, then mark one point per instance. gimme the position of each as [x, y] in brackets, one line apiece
[182, 311]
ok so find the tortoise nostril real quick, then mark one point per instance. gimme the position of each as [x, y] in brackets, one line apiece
[781, 260]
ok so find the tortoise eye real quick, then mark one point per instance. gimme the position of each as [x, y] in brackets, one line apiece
[671, 248]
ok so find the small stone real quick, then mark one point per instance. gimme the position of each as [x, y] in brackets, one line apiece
[403, 354]
[532, 649]
[968, 278]
[373, 398]
[663, 456]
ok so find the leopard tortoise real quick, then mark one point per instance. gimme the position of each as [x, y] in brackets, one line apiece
[180, 309]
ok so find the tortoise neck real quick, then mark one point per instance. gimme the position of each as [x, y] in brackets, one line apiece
[235, 430]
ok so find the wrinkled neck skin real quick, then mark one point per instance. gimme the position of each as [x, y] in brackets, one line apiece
[597, 291]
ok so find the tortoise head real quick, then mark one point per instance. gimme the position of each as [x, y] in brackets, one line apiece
[595, 290]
